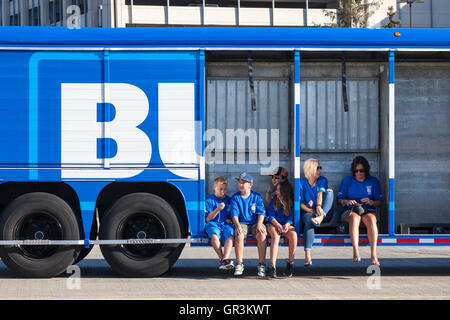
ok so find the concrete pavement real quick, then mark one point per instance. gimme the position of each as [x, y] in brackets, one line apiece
[405, 273]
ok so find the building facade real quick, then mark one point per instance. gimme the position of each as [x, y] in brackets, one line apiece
[150, 13]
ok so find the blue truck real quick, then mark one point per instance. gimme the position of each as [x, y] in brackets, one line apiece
[102, 136]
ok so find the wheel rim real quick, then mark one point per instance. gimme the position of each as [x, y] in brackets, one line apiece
[141, 226]
[38, 226]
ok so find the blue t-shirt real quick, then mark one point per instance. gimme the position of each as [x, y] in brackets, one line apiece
[308, 193]
[352, 189]
[278, 215]
[247, 209]
[212, 202]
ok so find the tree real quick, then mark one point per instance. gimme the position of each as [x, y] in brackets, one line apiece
[353, 13]
[392, 23]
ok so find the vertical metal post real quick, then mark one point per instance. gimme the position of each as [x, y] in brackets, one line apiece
[202, 106]
[391, 143]
[307, 8]
[203, 12]
[31, 23]
[131, 14]
[54, 12]
[431, 14]
[106, 111]
[238, 12]
[297, 217]
[273, 14]
[168, 11]
[410, 15]
[86, 10]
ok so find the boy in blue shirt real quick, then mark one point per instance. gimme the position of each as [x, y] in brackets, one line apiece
[218, 222]
[248, 214]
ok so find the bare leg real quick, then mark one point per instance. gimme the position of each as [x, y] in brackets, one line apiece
[353, 221]
[215, 242]
[370, 221]
[239, 246]
[292, 237]
[307, 257]
[261, 239]
[228, 246]
[275, 240]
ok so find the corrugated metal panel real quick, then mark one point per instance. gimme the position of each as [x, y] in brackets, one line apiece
[324, 124]
[229, 107]
[422, 97]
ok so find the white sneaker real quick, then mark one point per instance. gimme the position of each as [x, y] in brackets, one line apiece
[226, 265]
[239, 269]
[261, 270]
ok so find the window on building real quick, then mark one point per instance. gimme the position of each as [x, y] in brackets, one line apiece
[34, 13]
[55, 11]
[14, 13]
[82, 4]
[312, 4]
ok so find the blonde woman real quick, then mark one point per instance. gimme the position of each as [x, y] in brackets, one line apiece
[281, 222]
[316, 200]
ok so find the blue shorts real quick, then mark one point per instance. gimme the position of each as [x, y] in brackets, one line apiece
[222, 230]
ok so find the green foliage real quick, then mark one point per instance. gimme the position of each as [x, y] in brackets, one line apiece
[352, 13]
[392, 22]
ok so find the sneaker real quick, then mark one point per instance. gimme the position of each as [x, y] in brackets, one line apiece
[289, 272]
[239, 269]
[222, 265]
[226, 264]
[272, 272]
[229, 264]
[261, 270]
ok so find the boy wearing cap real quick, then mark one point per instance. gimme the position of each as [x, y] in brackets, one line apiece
[248, 214]
[218, 222]
[279, 175]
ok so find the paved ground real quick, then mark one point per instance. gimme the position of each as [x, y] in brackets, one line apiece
[406, 273]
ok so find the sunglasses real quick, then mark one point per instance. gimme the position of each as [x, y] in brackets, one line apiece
[359, 170]
[276, 178]
[319, 168]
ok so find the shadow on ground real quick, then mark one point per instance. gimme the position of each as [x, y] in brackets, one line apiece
[337, 268]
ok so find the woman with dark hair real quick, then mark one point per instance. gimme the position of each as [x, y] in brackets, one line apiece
[360, 194]
[281, 222]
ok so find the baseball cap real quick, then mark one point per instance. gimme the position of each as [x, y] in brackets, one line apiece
[245, 176]
[280, 172]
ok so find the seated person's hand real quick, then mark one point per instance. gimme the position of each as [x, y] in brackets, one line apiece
[367, 201]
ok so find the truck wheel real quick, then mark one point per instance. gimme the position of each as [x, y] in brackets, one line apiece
[141, 216]
[39, 216]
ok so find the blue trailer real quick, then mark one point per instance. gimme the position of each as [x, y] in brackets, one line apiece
[102, 137]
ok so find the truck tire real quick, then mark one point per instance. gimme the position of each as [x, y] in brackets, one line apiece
[39, 216]
[141, 216]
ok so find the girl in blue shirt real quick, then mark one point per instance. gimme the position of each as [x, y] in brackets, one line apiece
[361, 188]
[281, 222]
[316, 200]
